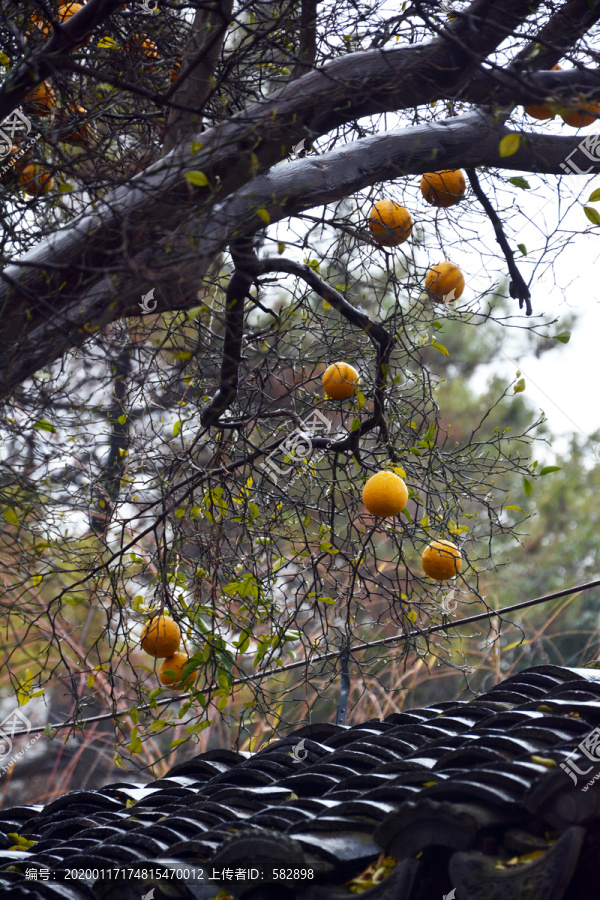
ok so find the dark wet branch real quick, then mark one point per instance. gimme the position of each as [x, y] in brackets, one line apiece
[106, 490]
[244, 261]
[518, 288]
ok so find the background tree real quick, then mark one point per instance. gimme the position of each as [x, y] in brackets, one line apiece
[186, 460]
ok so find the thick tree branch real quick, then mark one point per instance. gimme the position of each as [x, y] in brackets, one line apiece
[307, 50]
[518, 287]
[208, 33]
[244, 272]
[470, 140]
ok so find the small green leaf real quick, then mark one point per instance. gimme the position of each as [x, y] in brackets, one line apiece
[564, 337]
[280, 247]
[547, 469]
[519, 181]
[355, 425]
[594, 196]
[121, 420]
[197, 178]
[509, 144]
[176, 428]
[264, 215]
[106, 43]
[328, 600]
[527, 487]
[592, 214]
[517, 508]
[44, 425]
[436, 324]
[522, 248]
[4, 60]
[195, 147]
[11, 516]
[440, 348]
[360, 398]
[519, 387]
[91, 680]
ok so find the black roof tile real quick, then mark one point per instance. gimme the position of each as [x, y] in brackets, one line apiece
[458, 785]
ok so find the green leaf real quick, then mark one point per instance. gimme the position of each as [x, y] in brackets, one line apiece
[4, 60]
[509, 144]
[121, 420]
[564, 337]
[522, 248]
[594, 196]
[519, 181]
[106, 43]
[436, 324]
[547, 469]
[519, 387]
[280, 247]
[355, 425]
[195, 147]
[44, 425]
[517, 508]
[11, 516]
[91, 680]
[176, 428]
[197, 178]
[527, 487]
[254, 510]
[592, 214]
[176, 743]
[199, 726]
[328, 600]
[264, 215]
[440, 348]
[360, 398]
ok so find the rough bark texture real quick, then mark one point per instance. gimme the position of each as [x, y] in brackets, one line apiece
[95, 270]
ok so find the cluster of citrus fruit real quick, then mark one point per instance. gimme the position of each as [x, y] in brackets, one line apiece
[579, 115]
[385, 493]
[161, 638]
[391, 225]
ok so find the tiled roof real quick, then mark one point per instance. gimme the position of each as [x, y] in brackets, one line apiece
[466, 795]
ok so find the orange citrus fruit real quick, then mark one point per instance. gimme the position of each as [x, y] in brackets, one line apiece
[340, 380]
[389, 223]
[445, 282]
[73, 130]
[35, 180]
[582, 118]
[541, 110]
[441, 560]
[40, 101]
[140, 46]
[160, 636]
[65, 11]
[385, 494]
[443, 188]
[175, 664]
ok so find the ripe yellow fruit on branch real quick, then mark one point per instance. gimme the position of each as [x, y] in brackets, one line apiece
[583, 117]
[40, 101]
[441, 560]
[541, 110]
[160, 636]
[389, 223]
[445, 282]
[35, 180]
[385, 494]
[340, 380]
[175, 664]
[443, 188]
